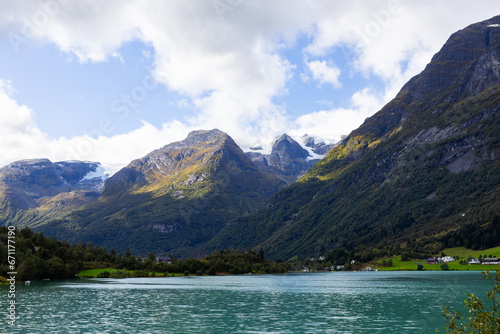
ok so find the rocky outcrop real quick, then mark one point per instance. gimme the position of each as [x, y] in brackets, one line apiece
[35, 190]
[287, 160]
[320, 148]
[202, 155]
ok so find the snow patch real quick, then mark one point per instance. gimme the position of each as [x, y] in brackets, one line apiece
[312, 155]
[494, 26]
[265, 149]
[103, 171]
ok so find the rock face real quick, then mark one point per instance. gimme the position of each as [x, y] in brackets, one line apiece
[288, 160]
[33, 188]
[288, 156]
[424, 164]
[193, 160]
[320, 148]
[174, 199]
[76, 173]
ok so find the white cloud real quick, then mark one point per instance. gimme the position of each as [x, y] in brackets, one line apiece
[230, 63]
[325, 73]
[19, 134]
[21, 138]
[334, 123]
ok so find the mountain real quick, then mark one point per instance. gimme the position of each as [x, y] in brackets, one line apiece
[320, 147]
[172, 200]
[288, 160]
[423, 166]
[32, 191]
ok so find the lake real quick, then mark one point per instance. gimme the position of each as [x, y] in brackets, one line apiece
[342, 302]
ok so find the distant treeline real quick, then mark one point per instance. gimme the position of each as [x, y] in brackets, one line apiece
[38, 257]
[481, 234]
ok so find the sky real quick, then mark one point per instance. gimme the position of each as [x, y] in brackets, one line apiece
[112, 80]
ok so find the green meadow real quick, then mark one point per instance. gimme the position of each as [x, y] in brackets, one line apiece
[94, 273]
[459, 253]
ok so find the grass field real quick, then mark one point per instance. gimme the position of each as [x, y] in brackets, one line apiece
[465, 253]
[456, 252]
[93, 273]
[397, 264]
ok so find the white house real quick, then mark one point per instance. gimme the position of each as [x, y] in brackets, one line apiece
[491, 260]
[447, 259]
[474, 261]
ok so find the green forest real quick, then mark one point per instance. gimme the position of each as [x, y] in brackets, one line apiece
[39, 257]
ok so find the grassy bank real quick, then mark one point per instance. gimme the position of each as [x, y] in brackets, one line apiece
[94, 273]
[459, 253]
[397, 264]
[465, 253]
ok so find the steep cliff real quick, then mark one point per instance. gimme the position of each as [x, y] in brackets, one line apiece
[427, 163]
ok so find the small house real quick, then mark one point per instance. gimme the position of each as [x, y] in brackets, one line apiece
[433, 260]
[447, 259]
[491, 260]
[164, 259]
[474, 261]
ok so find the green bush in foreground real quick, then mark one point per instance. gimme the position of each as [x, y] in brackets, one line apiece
[481, 319]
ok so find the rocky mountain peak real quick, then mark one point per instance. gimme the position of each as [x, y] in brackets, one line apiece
[74, 172]
[201, 154]
[41, 173]
[39, 183]
[468, 62]
[205, 135]
[288, 160]
[466, 66]
[285, 146]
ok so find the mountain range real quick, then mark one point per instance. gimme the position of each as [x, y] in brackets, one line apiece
[423, 166]
[172, 200]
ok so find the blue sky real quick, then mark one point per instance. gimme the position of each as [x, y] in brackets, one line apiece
[111, 81]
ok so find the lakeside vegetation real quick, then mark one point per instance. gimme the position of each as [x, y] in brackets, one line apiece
[482, 317]
[38, 257]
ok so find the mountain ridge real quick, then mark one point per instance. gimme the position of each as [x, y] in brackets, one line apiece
[426, 163]
[173, 199]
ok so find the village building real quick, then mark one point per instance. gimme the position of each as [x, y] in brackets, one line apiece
[491, 260]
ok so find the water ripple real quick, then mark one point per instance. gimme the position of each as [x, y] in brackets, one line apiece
[296, 303]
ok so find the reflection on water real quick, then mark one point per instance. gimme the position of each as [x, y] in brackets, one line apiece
[368, 302]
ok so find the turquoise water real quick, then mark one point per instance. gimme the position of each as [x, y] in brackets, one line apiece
[357, 302]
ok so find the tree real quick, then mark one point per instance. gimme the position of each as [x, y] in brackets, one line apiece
[481, 319]
[212, 271]
[151, 256]
[56, 268]
[27, 270]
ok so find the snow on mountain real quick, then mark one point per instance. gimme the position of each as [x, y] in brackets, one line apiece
[103, 171]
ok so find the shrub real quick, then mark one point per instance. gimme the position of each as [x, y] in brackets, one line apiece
[104, 274]
[212, 271]
[480, 320]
